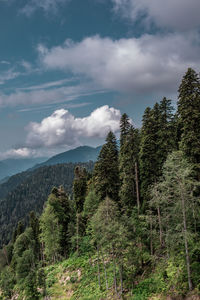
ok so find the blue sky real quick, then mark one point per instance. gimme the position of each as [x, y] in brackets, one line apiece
[69, 68]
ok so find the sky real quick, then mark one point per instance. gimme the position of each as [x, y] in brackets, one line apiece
[70, 68]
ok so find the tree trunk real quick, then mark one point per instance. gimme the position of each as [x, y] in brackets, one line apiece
[77, 234]
[99, 275]
[151, 238]
[160, 226]
[115, 272]
[137, 186]
[6, 255]
[186, 240]
[121, 277]
[105, 272]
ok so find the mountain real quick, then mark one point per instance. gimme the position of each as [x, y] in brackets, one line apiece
[28, 191]
[80, 154]
[9, 167]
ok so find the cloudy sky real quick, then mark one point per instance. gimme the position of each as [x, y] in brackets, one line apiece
[70, 68]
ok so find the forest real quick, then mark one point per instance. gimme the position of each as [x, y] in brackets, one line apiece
[130, 227]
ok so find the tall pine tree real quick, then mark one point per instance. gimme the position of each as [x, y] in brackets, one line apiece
[106, 171]
[189, 116]
[128, 162]
[157, 140]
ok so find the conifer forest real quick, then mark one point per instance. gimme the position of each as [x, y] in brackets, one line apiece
[124, 227]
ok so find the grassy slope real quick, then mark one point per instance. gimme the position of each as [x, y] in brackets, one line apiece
[76, 278]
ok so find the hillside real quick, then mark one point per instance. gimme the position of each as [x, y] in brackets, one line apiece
[28, 191]
[80, 154]
[129, 230]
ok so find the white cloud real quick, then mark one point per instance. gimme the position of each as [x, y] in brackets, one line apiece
[146, 64]
[23, 152]
[62, 128]
[47, 6]
[180, 15]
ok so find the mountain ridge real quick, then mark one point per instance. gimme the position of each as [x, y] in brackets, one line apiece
[80, 154]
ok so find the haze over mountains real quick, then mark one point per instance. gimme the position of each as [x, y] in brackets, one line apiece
[28, 190]
[80, 154]
[10, 167]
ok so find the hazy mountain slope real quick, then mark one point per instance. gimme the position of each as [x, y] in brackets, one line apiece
[30, 192]
[80, 154]
[10, 167]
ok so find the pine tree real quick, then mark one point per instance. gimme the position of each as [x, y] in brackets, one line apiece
[106, 171]
[157, 140]
[124, 128]
[148, 150]
[166, 132]
[50, 234]
[54, 224]
[128, 162]
[178, 207]
[34, 224]
[189, 116]
[110, 238]
[79, 188]
[79, 194]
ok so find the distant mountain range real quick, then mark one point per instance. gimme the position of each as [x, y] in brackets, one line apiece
[28, 191]
[10, 167]
[81, 154]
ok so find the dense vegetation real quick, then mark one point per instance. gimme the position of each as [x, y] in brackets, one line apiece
[132, 228]
[28, 191]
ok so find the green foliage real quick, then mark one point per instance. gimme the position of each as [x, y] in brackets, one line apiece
[106, 171]
[30, 192]
[128, 162]
[7, 281]
[91, 203]
[157, 140]
[79, 188]
[189, 115]
[50, 233]
[118, 248]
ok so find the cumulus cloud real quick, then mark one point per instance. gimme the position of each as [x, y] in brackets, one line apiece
[145, 64]
[62, 128]
[47, 6]
[180, 15]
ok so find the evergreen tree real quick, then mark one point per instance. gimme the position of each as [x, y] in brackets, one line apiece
[50, 234]
[110, 238]
[157, 140]
[189, 116]
[148, 150]
[34, 224]
[124, 128]
[178, 216]
[166, 132]
[79, 187]
[79, 194]
[128, 162]
[54, 225]
[106, 171]
[59, 200]
[91, 203]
